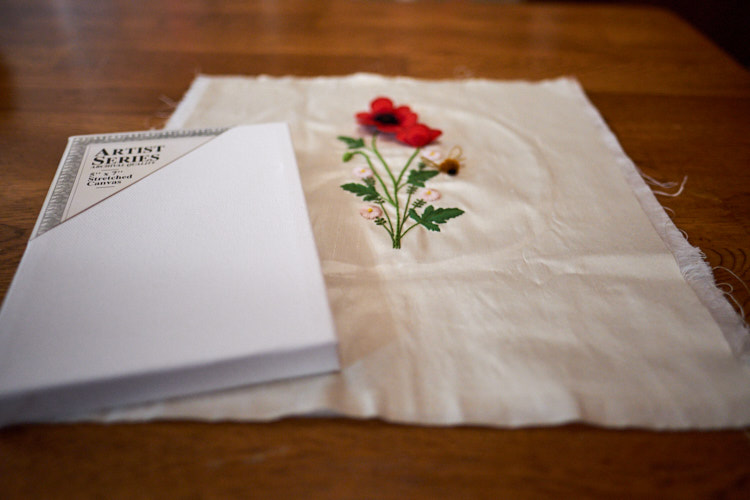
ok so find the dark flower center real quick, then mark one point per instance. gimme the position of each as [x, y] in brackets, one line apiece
[386, 119]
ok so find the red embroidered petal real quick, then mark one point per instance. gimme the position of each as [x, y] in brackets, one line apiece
[365, 118]
[418, 135]
[406, 116]
[381, 105]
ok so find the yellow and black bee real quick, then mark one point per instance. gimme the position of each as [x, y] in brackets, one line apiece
[450, 165]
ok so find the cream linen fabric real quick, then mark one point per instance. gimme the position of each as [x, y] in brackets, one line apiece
[552, 299]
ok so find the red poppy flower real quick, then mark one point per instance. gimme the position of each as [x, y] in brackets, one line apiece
[387, 118]
[418, 135]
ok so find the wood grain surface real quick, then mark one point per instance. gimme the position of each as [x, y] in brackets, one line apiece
[678, 105]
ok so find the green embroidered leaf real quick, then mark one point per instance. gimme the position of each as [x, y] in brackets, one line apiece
[347, 156]
[432, 216]
[368, 193]
[351, 142]
[419, 177]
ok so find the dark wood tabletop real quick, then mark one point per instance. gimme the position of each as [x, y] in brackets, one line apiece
[677, 103]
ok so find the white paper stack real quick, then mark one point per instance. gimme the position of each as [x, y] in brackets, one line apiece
[202, 275]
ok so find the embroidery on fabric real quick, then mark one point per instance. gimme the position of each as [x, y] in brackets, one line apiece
[386, 188]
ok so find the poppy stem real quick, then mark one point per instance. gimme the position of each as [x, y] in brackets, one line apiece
[382, 160]
[406, 167]
[377, 175]
[395, 187]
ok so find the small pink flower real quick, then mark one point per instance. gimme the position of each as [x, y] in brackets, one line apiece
[362, 172]
[432, 154]
[428, 194]
[370, 212]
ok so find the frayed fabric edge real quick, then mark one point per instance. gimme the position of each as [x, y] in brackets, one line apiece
[690, 259]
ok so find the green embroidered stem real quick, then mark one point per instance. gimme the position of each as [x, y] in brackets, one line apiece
[406, 211]
[406, 167]
[377, 175]
[408, 199]
[382, 160]
[388, 218]
[397, 233]
[396, 236]
[409, 228]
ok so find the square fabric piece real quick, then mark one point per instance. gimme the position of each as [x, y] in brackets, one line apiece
[561, 292]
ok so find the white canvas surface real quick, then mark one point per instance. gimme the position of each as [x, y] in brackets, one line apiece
[202, 275]
[564, 293]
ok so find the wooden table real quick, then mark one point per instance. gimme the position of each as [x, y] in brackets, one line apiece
[678, 105]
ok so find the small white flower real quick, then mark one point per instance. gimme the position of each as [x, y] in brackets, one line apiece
[432, 154]
[428, 194]
[370, 212]
[362, 172]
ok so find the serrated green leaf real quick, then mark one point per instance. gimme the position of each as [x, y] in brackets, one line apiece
[419, 177]
[432, 216]
[351, 142]
[368, 193]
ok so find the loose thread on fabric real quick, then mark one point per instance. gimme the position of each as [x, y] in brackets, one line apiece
[735, 276]
[664, 185]
[168, 107]
[728, 293]
[168, 101]
[730, 290]
[170, 104]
